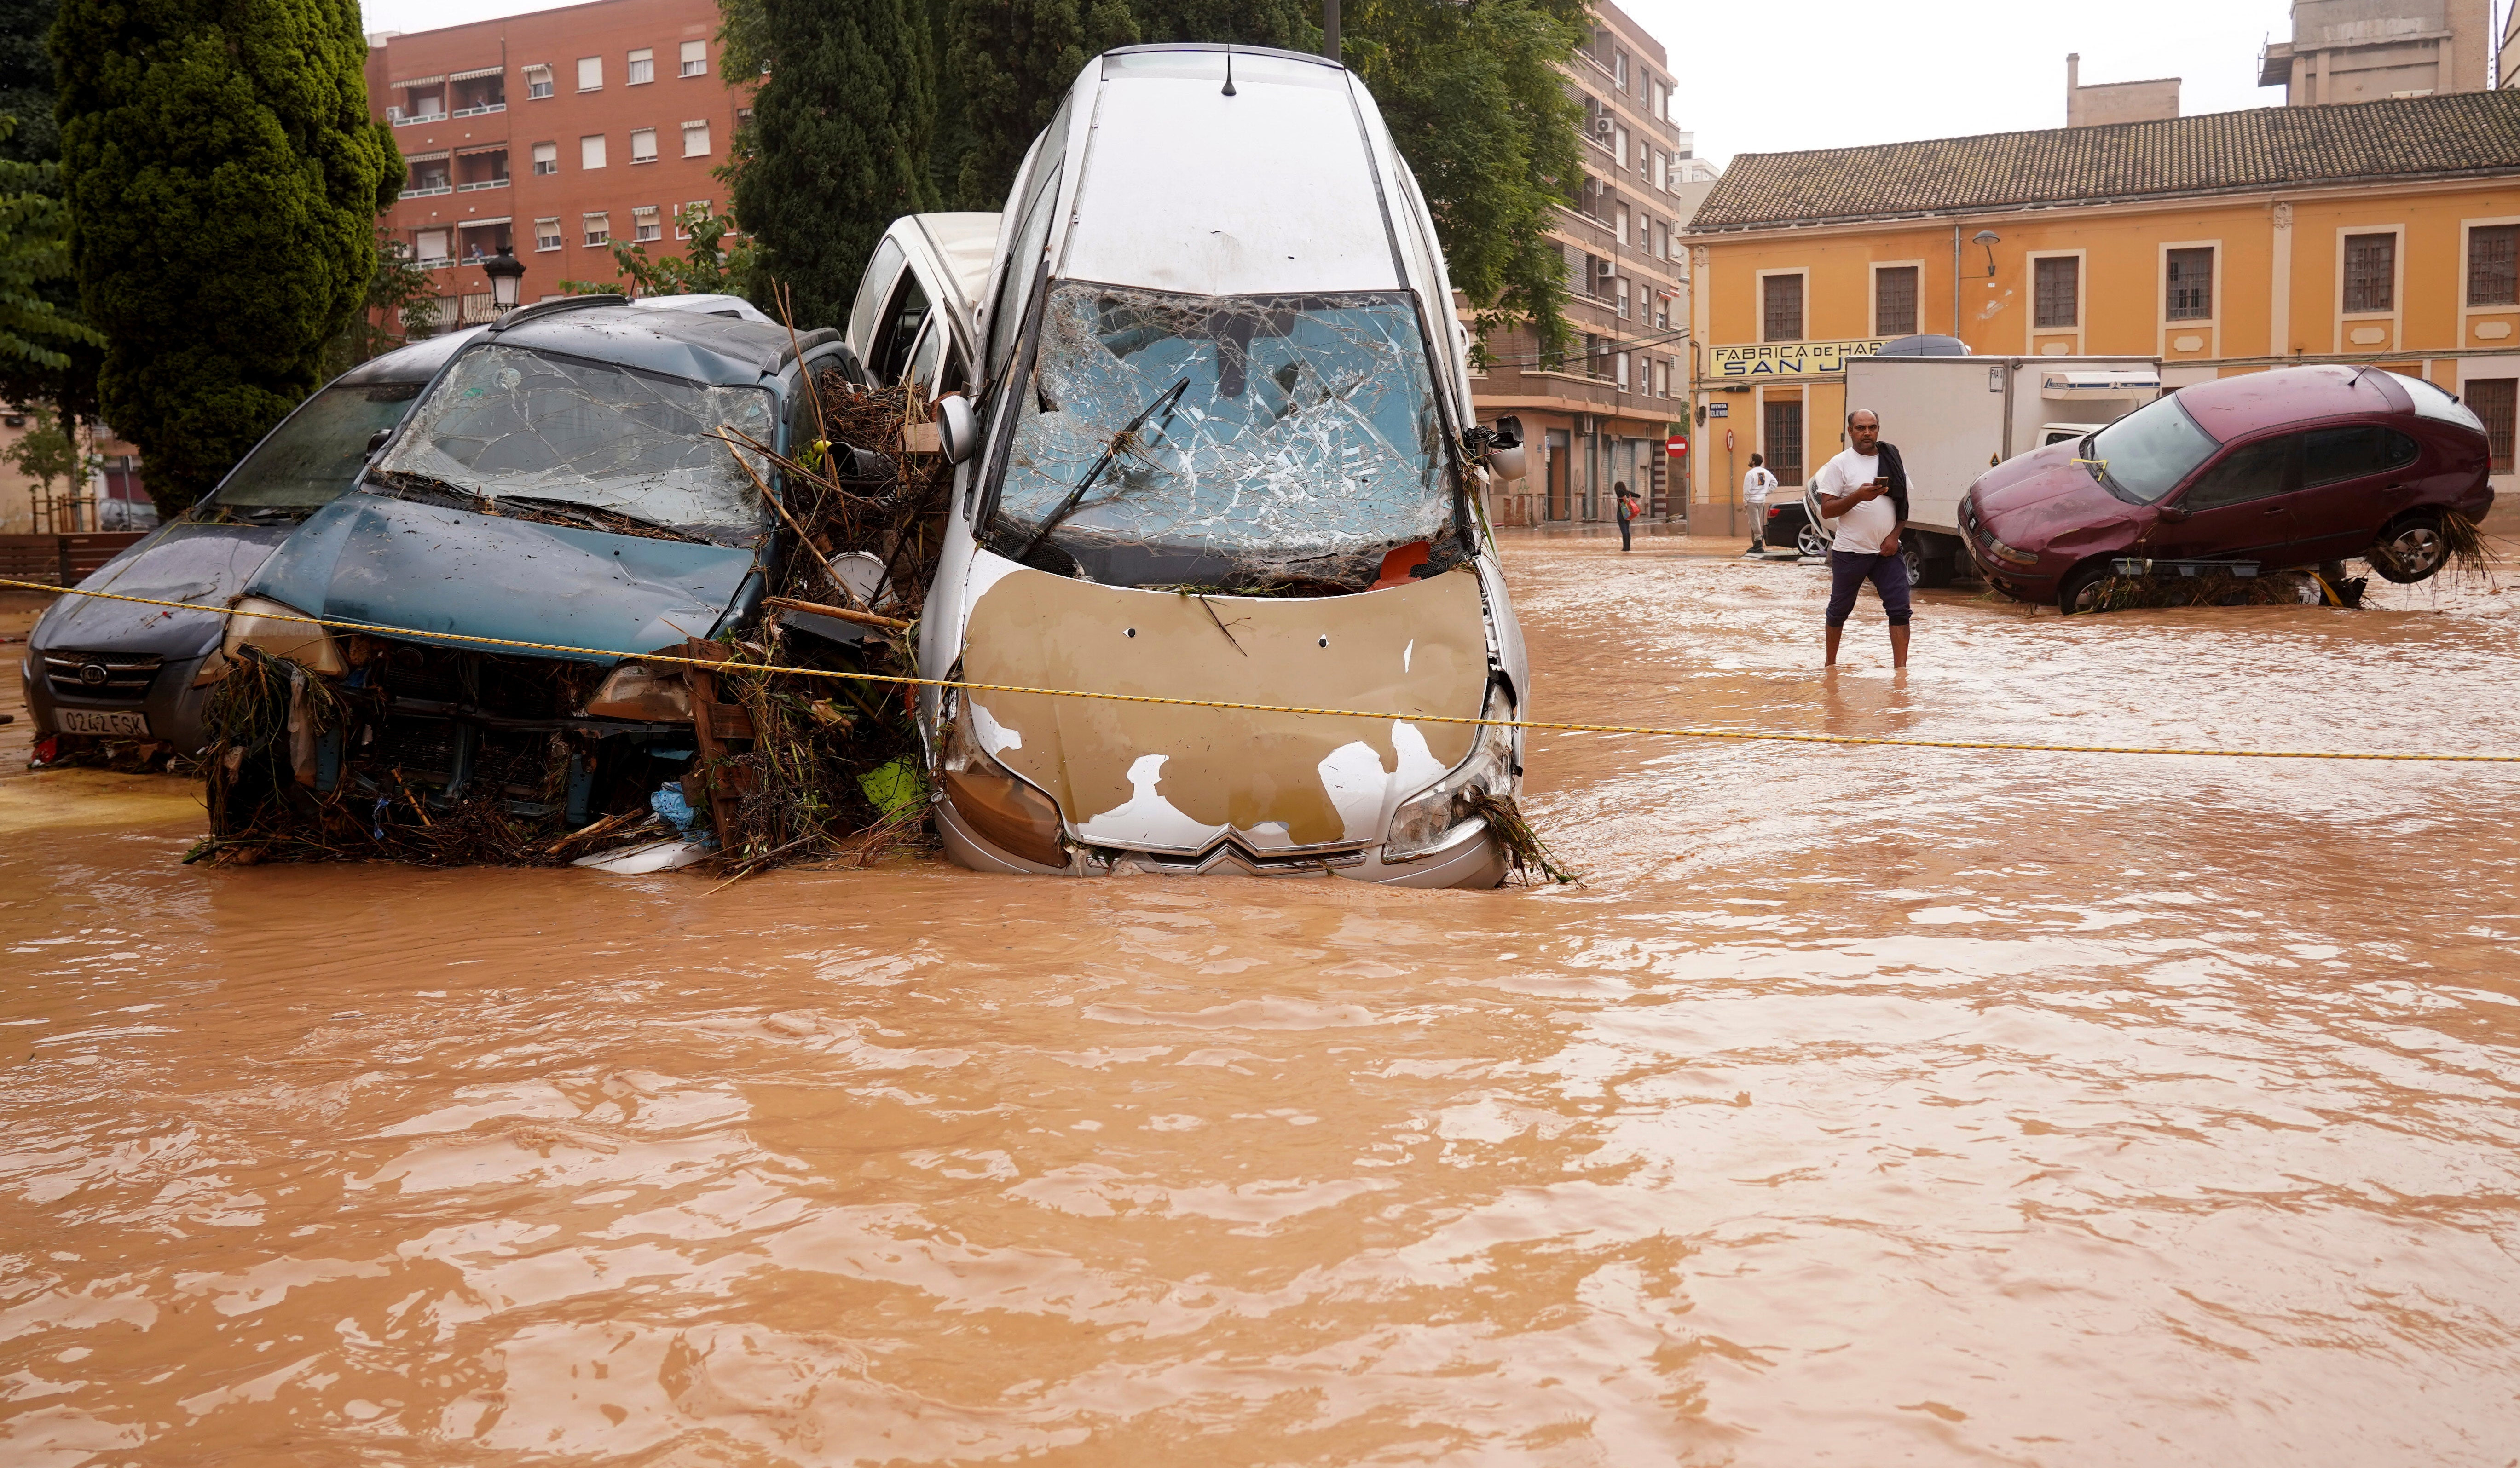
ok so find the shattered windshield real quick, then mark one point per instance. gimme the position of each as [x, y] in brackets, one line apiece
[316, 451]
[1225, 440]
[509, 422]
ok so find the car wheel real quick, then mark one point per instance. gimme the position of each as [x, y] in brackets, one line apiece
[1810, 540]
[1912, 557]
[2412, 549]
[2082, 589]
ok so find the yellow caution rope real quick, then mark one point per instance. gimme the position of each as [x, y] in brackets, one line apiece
[1745, 736]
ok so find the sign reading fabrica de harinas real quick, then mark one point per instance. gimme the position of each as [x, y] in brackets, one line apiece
[1790, 359]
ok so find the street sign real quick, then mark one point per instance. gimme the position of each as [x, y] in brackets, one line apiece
[1728, 440]
[1674, 445]
[1719, 410]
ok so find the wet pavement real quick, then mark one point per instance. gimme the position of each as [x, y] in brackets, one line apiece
[1863, 1105]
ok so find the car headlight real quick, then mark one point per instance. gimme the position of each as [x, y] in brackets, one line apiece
[997, 803]
[1426, 819]
[2003, 552]
[283, 631]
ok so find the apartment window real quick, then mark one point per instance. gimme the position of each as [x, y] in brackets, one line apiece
[1781, 436]
[2496, 400]
[743, 118]
[1619, 68]
[695, 142]
[644, 225]
[694, 58]
[1619, 222]
[1619, 145]
[546, 158]
[643, 67]
[598, 230]
[1780, 300]
[538, 82]
[590, 151]
[1894, 301]
[2059, 290]
[1662, 379]
[643, 144]
[1662, 242]
[2192, 285]
[547, 234]
[1620, 293]
[697, 209]
[431, 245]
[589, 74]
[2371, 272]
[2494, 265]
[1654, 90]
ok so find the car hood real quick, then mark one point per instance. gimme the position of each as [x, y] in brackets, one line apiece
[2046, 501]
[1160, 777]
[368, 558]
[203, 565]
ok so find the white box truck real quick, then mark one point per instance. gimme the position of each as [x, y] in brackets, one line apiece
[1954, 418]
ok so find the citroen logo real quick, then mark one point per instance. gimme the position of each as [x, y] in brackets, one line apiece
[94, 675]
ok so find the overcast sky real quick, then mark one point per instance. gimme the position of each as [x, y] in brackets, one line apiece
[1781, 75]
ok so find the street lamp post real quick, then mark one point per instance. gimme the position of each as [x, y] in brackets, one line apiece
[505, 272]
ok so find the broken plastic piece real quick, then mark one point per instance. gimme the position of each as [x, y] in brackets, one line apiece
[669, 855]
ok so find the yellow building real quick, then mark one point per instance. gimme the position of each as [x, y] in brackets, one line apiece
[2384, 232]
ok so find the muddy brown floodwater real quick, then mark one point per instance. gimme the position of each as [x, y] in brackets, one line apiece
[1861, 1106]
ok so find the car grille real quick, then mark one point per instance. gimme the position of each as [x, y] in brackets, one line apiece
[102, 677]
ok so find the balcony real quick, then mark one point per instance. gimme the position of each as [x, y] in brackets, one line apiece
[414, 120]
[500, 182]
[435, 262]
[482, 110]
[425, 191]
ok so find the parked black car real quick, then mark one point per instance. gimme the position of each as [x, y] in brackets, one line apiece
[101, 672]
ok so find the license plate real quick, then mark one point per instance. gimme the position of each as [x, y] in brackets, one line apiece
[89, 721]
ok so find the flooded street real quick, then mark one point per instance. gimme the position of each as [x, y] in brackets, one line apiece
[1862, 1105]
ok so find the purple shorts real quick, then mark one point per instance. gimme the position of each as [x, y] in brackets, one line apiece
[1848, 570]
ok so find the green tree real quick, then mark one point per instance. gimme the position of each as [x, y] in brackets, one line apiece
[36, 334]
[223, 180]
[1476, 105]
[27, 82]
[707, 266]
[400, 295]
[1013, 61]
[48, 453]
[841, 143]
[1287, 25]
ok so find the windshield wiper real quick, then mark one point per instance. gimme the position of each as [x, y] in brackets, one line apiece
[401, 485]
[603, 518]
[1127, 436]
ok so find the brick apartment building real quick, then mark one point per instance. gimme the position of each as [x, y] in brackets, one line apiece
[1601, 414]
[553, 134]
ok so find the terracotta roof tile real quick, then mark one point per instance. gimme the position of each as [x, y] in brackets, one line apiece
[2262, 148]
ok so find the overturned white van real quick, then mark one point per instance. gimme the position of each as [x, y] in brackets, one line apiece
[1220, 450]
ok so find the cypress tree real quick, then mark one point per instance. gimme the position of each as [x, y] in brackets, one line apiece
[1287, 25]
[223, 180]
[1013, 61]
[841, 144]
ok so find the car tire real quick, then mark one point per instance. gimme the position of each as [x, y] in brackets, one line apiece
[1810, 541]
[2411, 549]
[2074, 593]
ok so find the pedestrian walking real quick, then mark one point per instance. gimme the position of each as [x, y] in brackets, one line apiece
[1864, 489]
[1629, 503]
[1754, 494]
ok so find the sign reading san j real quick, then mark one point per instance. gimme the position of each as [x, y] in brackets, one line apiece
[1791, 359]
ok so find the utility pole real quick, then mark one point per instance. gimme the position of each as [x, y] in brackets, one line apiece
[1329, 29]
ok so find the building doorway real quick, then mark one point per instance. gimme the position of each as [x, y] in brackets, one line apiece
[1561, 503]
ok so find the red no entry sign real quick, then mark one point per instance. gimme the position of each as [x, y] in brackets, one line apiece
[1675, 446]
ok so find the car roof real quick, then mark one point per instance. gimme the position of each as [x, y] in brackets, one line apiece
[416, 363]
[2230, 408]
[696, 346]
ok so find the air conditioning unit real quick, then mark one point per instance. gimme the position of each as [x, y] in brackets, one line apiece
[1602, 124]
[1604, 269]
[393, 114]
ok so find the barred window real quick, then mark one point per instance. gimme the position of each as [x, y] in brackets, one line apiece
[1782, 316]
[2192, 285]
[2494, 265]
[2496, 400]
[2060, 291]
[1783, 439]
[2371, 272]
[1894, 301]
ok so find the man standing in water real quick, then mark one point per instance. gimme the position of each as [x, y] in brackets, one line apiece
[1754, 497]
[1864, 489]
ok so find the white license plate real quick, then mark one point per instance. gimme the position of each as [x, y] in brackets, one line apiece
[89, 721]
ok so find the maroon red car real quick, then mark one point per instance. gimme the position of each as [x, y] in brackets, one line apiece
[2291, 467]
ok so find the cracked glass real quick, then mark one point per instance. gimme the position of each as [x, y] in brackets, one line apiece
[1230, 441]
[510, 422]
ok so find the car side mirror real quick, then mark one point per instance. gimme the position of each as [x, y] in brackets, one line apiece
[955, 430]
[2173, 514]
[1507, 459]
[377, 440]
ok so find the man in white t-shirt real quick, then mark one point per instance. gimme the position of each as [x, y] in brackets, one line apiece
[1754, 496]
[1864, 490]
